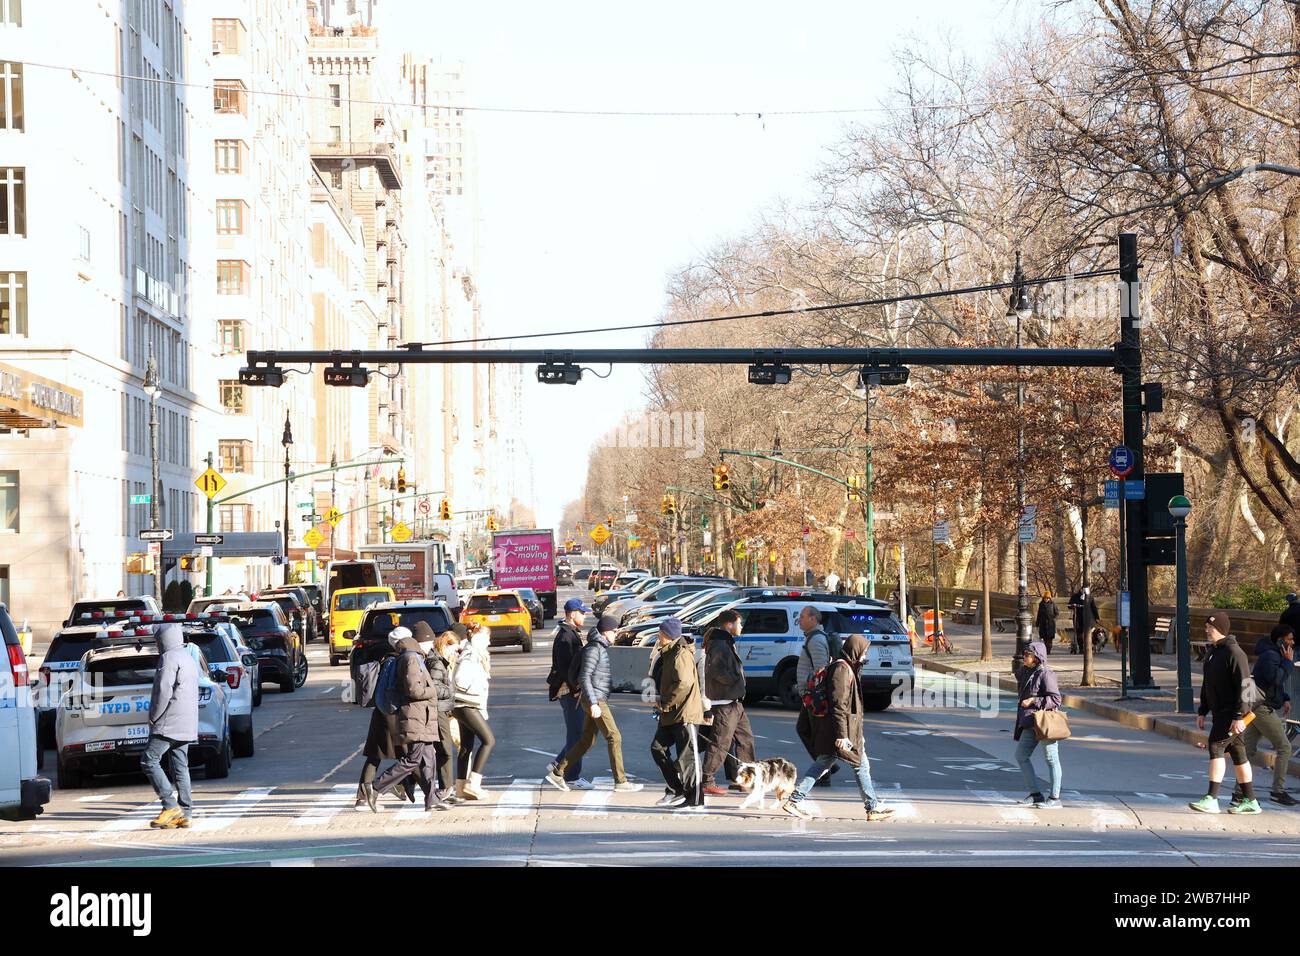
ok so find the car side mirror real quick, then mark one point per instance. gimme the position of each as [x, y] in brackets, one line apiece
[248, 660]
[349, 635]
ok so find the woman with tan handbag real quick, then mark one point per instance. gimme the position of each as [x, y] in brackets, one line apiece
[1039, 720]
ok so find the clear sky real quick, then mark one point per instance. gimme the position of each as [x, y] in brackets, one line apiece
[583, 218]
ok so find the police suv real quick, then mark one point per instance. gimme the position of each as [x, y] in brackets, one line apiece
[771, 642]
[102, 722]
[23, 794]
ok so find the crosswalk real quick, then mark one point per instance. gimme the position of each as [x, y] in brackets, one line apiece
[521, 797]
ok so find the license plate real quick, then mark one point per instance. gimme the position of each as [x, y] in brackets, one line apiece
[102, 745]
[494, 617]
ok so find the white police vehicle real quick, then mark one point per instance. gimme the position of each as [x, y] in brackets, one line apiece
[102, 723]
[771, 642]
[225, 651]
[23, 794]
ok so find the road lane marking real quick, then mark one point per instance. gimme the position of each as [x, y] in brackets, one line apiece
[1000, 800]
[519, 799]
[278, 723]
[339, 766]
[632, 842]
[327, 806]
[137, 819]
[96, 798]
[594, 801]
[294, 861]
[904, 809]
[223, 816]
[534, 750]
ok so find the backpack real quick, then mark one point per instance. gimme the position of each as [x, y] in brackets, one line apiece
[386, 693]
[367, 682]
[817, 693]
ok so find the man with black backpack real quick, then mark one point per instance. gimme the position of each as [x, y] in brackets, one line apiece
[819, 649]
[564, 651]
[1228, 695]
[589, 672]
[406, 689]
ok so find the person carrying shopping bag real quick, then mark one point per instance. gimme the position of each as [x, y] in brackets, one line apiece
[1038, 694]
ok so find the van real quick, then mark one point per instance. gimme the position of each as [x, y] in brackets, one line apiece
[350, 574]
[347, 605]
[23, 794]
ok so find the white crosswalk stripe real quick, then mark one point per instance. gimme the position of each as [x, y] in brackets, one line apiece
[519, 799]
[594, 802]
[327, 806]
[137, 819]
[1006, 810]
[219, 818]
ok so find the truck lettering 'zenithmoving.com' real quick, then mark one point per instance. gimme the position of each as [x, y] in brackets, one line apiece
[525, 558]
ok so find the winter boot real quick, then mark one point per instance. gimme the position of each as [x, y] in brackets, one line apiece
[460, 790]
[473, 788]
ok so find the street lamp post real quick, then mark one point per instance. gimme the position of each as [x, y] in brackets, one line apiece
[152, 388]
[334, 463]
[287, 441]
[1179, 509]
[1019, 309]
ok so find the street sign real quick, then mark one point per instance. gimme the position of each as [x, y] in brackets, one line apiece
[155, 547]
[807, 533]
[209, 539]
[141, 499]
[741, 551]
[156, 534]
[205, 551]
[1028, 533]
[210, 483]
[333, 517]
[850, 534]
[424, 506]
[304, 504]
[1124, 608]
[313, 538]
[631, 518]
[599, 534]
[1133, 491]
[401, 532]
[1122, 461]
[1028, 513]
[940, 533]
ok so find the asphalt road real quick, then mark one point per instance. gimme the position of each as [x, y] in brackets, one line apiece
[947, 771]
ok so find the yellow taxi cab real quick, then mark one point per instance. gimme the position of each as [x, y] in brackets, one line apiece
[504, 614]
[346, 607]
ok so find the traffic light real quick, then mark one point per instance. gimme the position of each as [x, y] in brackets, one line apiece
[444, 510]
[721, 477]
[609, 519]
[139, 564]
[401, 479]
[191, 563]
[492, 523]
[672, 505]
[854, 490]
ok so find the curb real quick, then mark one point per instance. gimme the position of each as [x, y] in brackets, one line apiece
[1121, 715]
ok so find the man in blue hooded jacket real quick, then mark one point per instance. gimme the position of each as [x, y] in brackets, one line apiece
[173, 726]
[1274, 658]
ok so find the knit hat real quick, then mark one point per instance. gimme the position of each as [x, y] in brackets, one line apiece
[607, 623]
[1222, 623]
[671, 626]
[397, 635]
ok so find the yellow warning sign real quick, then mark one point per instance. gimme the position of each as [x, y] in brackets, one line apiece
[401, 533]
[210, 483]
[599, 534]
[313, 538]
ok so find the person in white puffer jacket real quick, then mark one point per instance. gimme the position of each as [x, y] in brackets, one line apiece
[470, 680]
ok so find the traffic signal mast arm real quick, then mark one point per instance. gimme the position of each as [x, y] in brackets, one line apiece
[700, 494]
[384, 501]
[784, 461]
[306, 474]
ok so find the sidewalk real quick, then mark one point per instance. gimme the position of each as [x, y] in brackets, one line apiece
[1151, 710]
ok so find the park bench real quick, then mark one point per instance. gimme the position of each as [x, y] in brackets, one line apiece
[1162, 635]
[967, 616]
[958, 607]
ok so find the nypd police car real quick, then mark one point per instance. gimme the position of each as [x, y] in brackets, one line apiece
[771, 642]
[102, 723]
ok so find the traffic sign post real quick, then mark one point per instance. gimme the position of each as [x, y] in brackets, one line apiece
[141, 499]
[156, 534]
[209, 539]
[313, 538]
[1121, 464]
[210, 482]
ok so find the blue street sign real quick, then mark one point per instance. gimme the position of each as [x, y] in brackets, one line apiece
[1122, 461]
[1133, 490]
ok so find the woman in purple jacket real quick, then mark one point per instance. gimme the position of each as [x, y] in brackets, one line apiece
[1037, 690]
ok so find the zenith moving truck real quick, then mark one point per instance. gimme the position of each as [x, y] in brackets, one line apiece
[413, 571]
[525, 558]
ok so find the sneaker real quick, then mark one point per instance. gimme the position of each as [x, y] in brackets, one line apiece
[737, 788]
[1034, 799]
[1246, 806]
[1207, 804]
[670, 799]
[879, 814]
[582, 783]
[627, 786]
[555, 781]
[1284, 798]
[1051, 803]
[795, 810]
[166, 819]
[183, 822]
[715, 791]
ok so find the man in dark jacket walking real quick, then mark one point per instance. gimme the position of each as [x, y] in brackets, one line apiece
[1291, 616]
[838, 735]
[1274, 658]
[724, 689]
[173, 726]
[1222, 699]
[680, 710]
[593, 693]
[417, 722]
[1086, 616]
[1046, 621]
[568, 642]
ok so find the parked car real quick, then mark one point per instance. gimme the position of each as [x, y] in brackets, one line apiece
[292, 608]
[23, 792]
[347, 605]
[114, 607]
[602, 578]
[581, 576]
[199, 605]
[103, 718]
[281, 655]
[311, 621]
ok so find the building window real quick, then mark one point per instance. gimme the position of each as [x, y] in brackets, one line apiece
[228, 97]
[336, 178]
[4, 584]
[232, 518]
[13, 303]
[8, 501]
[231, 275]
[83, 243]
[230, 217]
[11, 12]
[230, 156]
[236, 455]
[336, 95]
[13, 201]
[232, 336]
[11, 96]
[225, 36]
[336, 135]
[232, 396]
